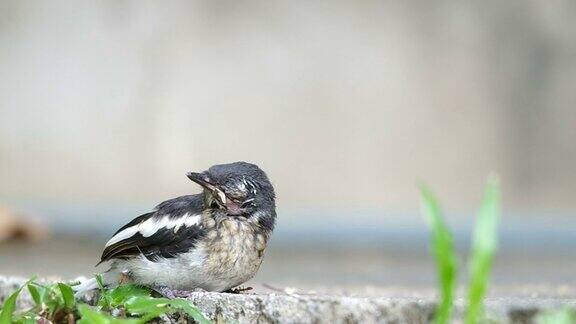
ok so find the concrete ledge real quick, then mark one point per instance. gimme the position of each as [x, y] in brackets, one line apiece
[294, 308]
[324, 308]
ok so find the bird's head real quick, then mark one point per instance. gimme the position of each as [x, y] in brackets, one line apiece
[239, 188]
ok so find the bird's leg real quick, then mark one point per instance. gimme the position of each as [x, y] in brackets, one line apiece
[175, 293]
[238, 290]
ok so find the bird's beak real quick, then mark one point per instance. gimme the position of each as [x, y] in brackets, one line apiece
[199, 178]
[231, 206]
[204, 181]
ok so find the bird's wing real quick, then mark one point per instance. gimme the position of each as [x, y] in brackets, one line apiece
[157, 234]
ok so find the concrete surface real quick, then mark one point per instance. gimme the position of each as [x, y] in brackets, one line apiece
[373, 306]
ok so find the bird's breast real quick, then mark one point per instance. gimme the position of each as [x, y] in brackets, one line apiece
[234, 247]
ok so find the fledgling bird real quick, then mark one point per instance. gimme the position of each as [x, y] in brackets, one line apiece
[211, 241]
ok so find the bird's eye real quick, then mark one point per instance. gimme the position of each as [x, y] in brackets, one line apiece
[247, 203]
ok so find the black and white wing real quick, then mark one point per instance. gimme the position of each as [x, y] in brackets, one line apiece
[173, 228]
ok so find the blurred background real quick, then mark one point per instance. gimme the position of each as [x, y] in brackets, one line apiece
[347, 105]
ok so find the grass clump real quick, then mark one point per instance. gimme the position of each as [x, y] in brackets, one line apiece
[129, 303]
[484, 244]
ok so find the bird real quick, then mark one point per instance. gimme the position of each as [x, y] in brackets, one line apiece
[211, 241]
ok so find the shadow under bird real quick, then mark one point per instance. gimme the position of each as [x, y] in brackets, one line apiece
[211, 241]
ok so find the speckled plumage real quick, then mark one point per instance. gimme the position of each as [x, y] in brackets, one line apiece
[230, 254]
[213, 241]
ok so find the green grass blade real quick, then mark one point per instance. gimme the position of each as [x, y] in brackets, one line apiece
[35, 294]
[484, 245]
[9, 305]
[105, 299]
[67, 295]
[444, 254]
[8, 308]
[99, 281]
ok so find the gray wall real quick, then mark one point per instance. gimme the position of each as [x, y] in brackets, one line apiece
[342, 102]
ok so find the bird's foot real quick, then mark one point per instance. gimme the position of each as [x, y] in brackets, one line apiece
[238, 290]
[176, 293]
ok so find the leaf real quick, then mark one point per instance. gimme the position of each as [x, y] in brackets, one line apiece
[444, 254]
[35, 294]
[191, 310]
[8, 308]
[67, 295]
[41, 294]
[147, 307]
[150, 307]
[88, 315]
[142, 305]
[51, 299]
[120, 294]
[9, 305]
[484, 245]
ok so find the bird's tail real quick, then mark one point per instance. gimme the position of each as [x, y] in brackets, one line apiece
[109, 278]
